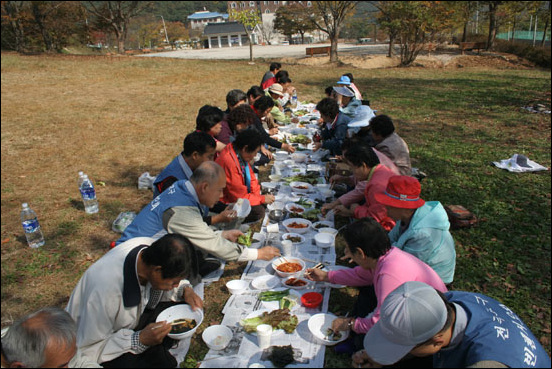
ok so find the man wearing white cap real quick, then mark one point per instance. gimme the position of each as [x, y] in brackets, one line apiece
[346, 100]
[460, 329]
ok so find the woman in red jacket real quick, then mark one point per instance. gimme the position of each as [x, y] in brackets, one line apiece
[241, 182]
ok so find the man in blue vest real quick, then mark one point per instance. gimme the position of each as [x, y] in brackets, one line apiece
[181, 208]
[460, 330]
[198, 148]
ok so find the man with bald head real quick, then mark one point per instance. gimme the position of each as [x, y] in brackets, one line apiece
[43, 339]
[180, 209]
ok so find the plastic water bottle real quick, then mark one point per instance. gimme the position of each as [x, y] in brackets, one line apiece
[89, 196]
[34, 236]
[81, 179]
[294, 100]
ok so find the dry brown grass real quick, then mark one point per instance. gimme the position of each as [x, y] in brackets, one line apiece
[115, 118]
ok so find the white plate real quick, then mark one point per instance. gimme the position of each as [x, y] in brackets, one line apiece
[319, 324]
[257, 313]
[286, 235]
[265, 282]
[274, 305]
[294, 187]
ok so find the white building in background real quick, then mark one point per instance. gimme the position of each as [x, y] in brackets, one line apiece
[199, 20]
[227, 34]
[267, 10]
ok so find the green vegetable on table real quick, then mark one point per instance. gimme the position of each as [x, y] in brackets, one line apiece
[301, 139]
[273, 295]
[245, 239]
[278, 319]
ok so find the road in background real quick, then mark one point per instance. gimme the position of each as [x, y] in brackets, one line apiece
[272, 51]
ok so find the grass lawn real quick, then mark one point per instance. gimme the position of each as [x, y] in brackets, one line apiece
[115, 118]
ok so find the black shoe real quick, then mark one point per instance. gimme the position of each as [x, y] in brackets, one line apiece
[208, 266]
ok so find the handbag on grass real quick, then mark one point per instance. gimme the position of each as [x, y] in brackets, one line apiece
[460, 217]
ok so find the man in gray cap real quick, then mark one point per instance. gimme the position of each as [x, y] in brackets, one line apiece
[460, 329]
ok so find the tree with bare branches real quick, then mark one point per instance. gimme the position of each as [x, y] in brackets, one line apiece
[250, 19]
[329, 17]
[116, 15]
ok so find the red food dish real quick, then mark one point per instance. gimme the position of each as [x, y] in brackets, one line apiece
[311, 300]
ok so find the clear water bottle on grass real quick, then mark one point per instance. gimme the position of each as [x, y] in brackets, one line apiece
[81, 179]
[34, 236]
[89, 196]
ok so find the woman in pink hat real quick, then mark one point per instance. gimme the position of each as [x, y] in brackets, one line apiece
[422, 227]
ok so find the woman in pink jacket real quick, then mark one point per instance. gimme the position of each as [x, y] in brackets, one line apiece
[380, 265]
[366, 167]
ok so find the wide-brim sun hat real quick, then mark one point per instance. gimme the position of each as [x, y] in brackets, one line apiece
[344, 91]
[362, 117]
[276, 89]
[401, 192]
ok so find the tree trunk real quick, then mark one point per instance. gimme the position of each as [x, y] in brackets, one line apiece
[543, 41]
[333, 48]
[39, 19]
[492, 26]
[302, 37]
[465, 32]
[513, 32]
[12, 9]
[391, 52]
[250, 47]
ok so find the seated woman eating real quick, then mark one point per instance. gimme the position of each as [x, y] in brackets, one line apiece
[366, 167]
[241, 182]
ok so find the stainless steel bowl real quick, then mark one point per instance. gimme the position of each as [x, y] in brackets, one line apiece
[276, 215]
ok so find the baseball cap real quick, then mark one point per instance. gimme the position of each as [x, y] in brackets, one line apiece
[344, 80]
[401, 192]
[277, 89]
[345, 91]
[411, 314]
[362, 117]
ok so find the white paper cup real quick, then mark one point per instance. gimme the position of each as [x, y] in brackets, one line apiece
[264, 331]
[273, 228]
[287, 248]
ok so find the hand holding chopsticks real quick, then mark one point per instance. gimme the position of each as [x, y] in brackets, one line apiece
[317, 274]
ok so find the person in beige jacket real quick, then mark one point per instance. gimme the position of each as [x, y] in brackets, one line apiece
[390, 143]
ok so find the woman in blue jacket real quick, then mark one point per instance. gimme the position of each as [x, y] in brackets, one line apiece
[422, 227]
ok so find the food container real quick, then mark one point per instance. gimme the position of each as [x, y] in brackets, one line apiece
[318, 325]
[324, 240]
[322, 224]
[297, 225]
[217, 337]
[312, 300]
[281, 155]
[275, 177]
[295, 238]
[295, 208]
[295, 283]
[301, 187]
[280, 261]
[299, 157]
[276, 215]
[182, 311]
[237, 286]
[329, 230]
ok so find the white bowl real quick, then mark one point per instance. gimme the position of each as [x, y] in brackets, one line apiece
[327, 193]
[295, 208]
[323, 186]
[237, 286]
[322, 224]
[286, 236]
[260, 237]
[301, 187]
[299, 157]
[318, 325]
[282, 260]
[324, 240]
[275, 177]
[281, 155]
[182, 311]
[288, 225]
[328, 230]
[295, 287]
[217, 337]
[269, 185]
